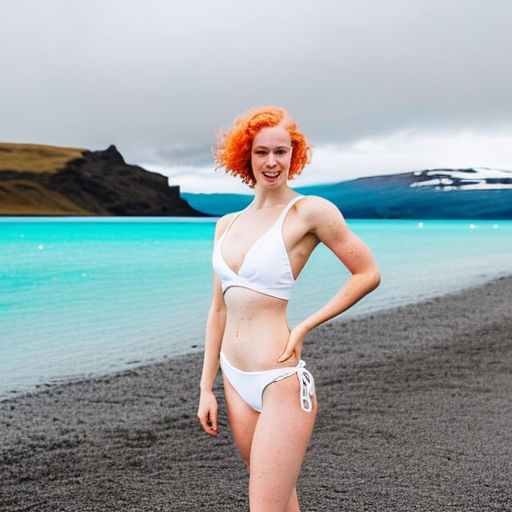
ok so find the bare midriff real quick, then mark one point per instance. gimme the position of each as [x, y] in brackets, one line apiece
[256, 330]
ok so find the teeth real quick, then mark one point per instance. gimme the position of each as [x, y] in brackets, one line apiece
[271, 174]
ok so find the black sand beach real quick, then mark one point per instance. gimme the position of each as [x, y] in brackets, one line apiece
[415, 414]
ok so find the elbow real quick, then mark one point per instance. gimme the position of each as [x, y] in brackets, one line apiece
[218, 308]
[376, 279]
[373, 279]
[368, 281]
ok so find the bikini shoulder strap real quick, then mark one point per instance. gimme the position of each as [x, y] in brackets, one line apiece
[287, 208]
[235, 216]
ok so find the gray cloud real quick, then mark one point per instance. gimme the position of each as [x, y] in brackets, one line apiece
[158, 78]
[184, 155]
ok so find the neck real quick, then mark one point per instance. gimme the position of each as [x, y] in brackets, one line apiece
[264, 197]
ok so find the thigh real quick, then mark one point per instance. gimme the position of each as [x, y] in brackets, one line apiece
[242, 420]
[279, 443]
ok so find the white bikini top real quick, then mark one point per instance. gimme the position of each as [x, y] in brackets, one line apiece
[266, 266]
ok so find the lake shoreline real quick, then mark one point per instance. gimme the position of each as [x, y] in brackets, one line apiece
[414, 414]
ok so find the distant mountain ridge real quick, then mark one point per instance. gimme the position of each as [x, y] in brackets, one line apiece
[49, 180]
[473, 193]
[53, 180]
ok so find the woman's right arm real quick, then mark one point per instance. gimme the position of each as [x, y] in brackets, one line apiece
[208, 409]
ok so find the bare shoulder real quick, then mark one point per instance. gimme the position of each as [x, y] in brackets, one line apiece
[314, 204]
[222, 223]
[318, 213]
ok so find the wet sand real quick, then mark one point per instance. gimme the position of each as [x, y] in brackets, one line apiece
[415, 414]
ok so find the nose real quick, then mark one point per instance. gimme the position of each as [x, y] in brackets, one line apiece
[271, 161]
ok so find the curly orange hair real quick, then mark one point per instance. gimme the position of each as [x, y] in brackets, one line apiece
[233, 151]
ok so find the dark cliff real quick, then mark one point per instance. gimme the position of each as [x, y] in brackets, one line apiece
[95, 183]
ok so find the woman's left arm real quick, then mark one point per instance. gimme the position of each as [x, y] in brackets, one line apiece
[326, 222]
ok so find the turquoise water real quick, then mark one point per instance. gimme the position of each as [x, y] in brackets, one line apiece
[92, 296]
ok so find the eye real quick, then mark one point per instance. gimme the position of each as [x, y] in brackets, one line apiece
[260, 152]
[281, 151]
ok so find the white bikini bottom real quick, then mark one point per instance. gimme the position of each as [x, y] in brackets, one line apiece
[251, 385]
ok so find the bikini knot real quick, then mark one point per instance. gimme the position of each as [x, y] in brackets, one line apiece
[307, 386]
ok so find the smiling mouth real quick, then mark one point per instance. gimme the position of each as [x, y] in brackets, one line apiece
[271, 174]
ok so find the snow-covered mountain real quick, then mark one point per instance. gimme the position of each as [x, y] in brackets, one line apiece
[478, 178]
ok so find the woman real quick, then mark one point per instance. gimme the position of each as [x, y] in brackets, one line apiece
[258, 254]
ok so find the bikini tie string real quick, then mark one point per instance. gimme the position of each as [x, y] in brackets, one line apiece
[307, 386]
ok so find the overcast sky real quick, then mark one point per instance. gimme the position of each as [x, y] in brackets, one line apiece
[377, 86]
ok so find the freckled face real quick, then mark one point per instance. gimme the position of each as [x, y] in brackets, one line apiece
[271, 156]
